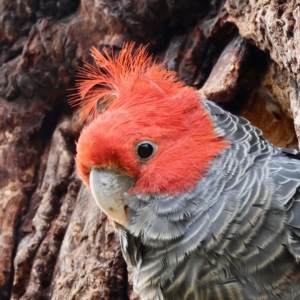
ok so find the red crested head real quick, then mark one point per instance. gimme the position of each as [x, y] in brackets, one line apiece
[141, 103]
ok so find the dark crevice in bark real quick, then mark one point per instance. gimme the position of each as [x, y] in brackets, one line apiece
[252, 73]
[40, 138]
[119, 290]
[12, 55]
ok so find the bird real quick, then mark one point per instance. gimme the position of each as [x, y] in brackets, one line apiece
[204, 206]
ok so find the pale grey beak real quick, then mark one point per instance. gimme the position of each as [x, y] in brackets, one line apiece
[110, 189]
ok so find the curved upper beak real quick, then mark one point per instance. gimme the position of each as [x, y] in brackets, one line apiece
[110, 189]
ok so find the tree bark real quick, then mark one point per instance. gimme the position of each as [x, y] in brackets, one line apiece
[55, 242]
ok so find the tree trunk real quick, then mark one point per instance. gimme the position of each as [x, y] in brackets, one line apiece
[55, 241]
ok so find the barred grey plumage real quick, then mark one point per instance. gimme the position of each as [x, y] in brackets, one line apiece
[236, 235]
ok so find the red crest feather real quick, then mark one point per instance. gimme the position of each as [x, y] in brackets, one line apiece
[115, 76]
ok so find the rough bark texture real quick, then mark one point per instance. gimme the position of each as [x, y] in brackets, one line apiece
[55, 242]
[273, 26]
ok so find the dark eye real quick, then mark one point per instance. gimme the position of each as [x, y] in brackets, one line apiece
[145, 150]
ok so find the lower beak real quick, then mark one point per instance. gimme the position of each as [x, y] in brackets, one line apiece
[110, 189]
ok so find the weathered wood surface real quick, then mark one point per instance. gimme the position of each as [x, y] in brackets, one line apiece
[55, 242]
[274, 27]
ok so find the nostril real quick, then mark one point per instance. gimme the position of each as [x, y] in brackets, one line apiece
[126, 209]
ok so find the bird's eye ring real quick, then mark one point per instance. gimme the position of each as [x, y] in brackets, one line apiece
[145, 150]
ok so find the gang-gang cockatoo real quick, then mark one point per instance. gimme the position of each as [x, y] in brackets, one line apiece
[205, 207]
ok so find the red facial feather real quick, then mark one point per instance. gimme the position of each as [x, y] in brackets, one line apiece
[145, 103]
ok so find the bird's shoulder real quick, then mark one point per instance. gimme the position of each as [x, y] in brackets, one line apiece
[283, 165]
[285, 170]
